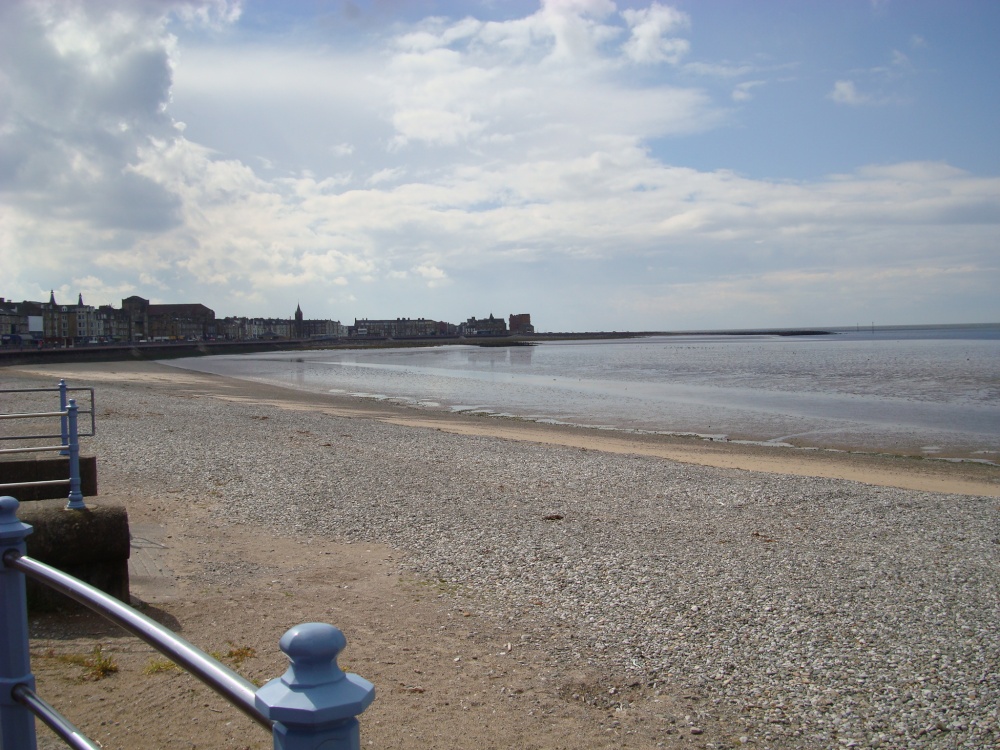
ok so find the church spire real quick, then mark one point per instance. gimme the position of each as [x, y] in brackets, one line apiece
[52, 297]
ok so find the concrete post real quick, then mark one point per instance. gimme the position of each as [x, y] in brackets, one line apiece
[314, 704]
[17, 723]
[75, 493]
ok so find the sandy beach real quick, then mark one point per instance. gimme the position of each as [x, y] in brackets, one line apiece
[506, 583]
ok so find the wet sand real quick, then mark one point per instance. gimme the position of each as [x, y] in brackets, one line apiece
[966, 478]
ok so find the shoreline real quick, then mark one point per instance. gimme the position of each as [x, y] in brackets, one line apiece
[965, 477]
[853, 418]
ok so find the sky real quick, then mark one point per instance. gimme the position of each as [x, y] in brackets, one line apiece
[601, 165]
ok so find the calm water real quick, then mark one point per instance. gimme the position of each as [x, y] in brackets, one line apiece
[933, 391]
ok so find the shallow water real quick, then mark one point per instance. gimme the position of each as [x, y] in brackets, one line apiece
[931, 391]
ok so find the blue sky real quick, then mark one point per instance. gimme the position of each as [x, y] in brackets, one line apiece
[601, 165]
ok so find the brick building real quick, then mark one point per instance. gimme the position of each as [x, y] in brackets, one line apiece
[521, 323]
[167, 322]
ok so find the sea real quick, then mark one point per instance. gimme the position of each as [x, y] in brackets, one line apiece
[932, 391]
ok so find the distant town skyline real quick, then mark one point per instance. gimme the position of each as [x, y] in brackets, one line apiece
[297, 314]
[51, 323]
[603, 164]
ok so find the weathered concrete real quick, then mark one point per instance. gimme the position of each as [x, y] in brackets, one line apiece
[45, 469]
[90, 544]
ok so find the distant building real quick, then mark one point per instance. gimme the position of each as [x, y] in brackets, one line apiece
[49, 323]
[521, 323]
[484, 327]
[399, 328]
[20, 322]
[178, 322]
[112, 325]
[135, 317]
[311, 329]
[298, 327]
[67, 325]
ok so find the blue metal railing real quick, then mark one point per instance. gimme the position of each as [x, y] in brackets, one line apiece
[64, 392]
[312, 705]
[69, 433]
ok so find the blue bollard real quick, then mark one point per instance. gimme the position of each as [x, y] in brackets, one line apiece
[75, 493]
[314, 704]
[17, 723]
[63, 421]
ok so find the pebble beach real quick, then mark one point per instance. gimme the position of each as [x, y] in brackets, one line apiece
[819, 612]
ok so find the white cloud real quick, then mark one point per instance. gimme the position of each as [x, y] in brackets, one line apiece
[718, 69]
[742, 92]
[899, 59]
[147, 281]
[845, 92]
[385, 175]
[650, 27]
[913, 172]
[575, 28]
[470, 84]
[214, 14]
[83, 93]
[433, 275]
[883, 84]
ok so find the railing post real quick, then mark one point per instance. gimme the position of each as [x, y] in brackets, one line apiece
[75, 493]
[315, 704]
[17, 724]
[63, 421]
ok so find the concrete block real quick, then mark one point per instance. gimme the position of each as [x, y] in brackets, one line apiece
[91, 544]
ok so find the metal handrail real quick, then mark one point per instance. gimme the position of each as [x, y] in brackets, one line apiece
[33, 450]
[52, 718]
[33, 415]
[213, 673]
[39, 483]
[62, 447]
[63, 391]
[69, 434]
